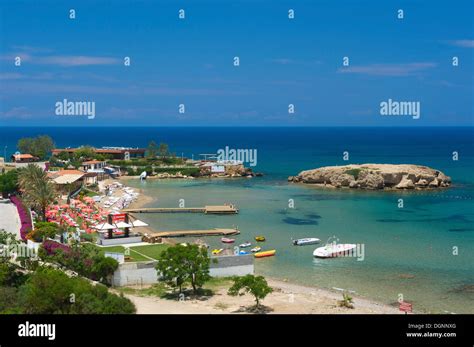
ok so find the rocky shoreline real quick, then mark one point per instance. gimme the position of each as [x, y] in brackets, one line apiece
[374, 177]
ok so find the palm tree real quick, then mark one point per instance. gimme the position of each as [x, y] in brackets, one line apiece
[29, 174]
[38, 190]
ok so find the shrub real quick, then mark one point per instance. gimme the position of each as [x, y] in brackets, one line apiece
[25, 216]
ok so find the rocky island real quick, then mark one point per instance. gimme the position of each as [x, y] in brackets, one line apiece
[374, 177]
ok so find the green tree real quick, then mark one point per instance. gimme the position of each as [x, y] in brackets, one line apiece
[44, 230]
[163, 150]
[152, 150]
[38, 190]
[9, 182]
[63, 156]
[182, 263]
[255, 285]
[49, 291]
[84, 153]
[103, 268]
[9, 301]
[39, 146]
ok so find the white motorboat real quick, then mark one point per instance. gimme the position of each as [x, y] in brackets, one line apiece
[334, 250]
[245, 244]
[306, 241]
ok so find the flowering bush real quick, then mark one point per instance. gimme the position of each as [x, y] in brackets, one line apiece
[85, 259]
[25, 216]
[51, 246]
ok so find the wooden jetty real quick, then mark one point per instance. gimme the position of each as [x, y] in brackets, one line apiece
[190, 233]
[212, 209]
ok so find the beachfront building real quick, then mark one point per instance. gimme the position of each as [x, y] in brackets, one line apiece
[95, 171]
[67, 181]
[24, 158]
[122, 153]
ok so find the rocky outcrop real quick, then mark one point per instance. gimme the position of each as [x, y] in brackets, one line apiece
[375, 176]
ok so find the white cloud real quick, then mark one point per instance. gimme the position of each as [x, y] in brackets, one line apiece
[408, 69]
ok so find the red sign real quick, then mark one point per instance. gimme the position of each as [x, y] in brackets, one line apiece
[120, 217]
[405, 307]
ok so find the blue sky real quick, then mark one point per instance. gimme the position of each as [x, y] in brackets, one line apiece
[282, 61]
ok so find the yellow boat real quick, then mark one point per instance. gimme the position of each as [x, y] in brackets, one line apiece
[265, 254]
[260, 238]
[217, 251]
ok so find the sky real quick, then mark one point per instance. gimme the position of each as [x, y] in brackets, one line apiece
[190, 61]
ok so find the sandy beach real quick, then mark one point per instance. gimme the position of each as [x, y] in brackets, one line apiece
[287, 298]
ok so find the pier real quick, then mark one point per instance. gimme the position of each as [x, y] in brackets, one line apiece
[213, 209]
[191, 233]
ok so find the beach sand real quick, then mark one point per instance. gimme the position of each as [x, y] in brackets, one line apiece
[286, 298]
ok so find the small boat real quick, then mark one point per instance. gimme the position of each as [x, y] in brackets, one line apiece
[260, 238]
[265, 254]
[306, 241]
[334, 250]
[217, 251]
[256, 249]
[245, 244]
[242, 252]
[227, 240]
[143, 175]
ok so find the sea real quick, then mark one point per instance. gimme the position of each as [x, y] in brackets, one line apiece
[421, 253]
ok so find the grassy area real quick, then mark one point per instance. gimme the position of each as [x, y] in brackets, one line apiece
[138, 253]
[128, 258]
[152, 251]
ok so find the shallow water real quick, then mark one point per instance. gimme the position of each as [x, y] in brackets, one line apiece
[406, 251]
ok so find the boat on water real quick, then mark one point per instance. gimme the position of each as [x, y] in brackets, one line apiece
[259, 238]
[265, 254]
[334, 250]
[143, 175]
[256, 249]
[217, 251]
[306, 241]
[242, 252]
[227, 240]
[245, 244]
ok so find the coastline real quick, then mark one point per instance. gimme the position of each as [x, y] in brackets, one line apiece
[306, 299]
[287, 298]
[142, 200]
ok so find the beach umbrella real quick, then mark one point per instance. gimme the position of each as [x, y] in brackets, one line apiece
[139, 223]
[123, 225]
[103, 226]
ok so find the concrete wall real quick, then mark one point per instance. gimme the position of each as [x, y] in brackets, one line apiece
[232, 265]
[119, 241]
[138, 273]
[135, 274]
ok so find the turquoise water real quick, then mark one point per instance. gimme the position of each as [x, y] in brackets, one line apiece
[413, 241]
[408, 251]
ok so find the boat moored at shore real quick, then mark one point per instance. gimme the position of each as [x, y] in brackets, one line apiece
[306, 241]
